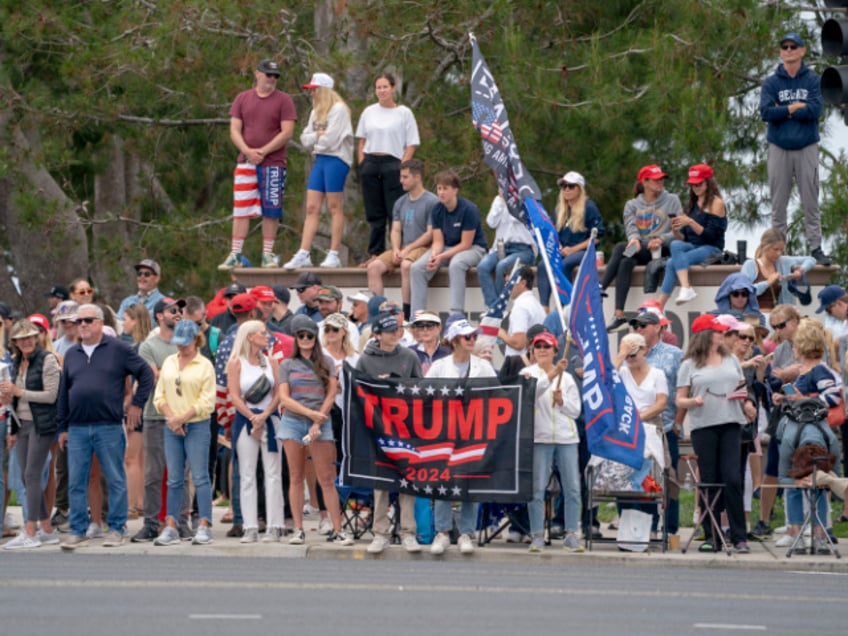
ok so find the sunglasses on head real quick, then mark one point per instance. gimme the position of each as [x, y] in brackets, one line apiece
[568, 186]
[789, 47]
[86, 321]
[144, 273]
[779, 325]
[740, 293]
[305, 335]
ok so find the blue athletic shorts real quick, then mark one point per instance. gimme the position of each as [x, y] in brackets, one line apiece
[328, 174]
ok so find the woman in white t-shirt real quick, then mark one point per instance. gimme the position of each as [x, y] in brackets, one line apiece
[388, 136]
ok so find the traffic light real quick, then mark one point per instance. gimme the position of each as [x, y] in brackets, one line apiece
[834, 41]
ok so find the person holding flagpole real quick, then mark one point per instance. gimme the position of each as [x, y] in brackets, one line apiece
[577, 216]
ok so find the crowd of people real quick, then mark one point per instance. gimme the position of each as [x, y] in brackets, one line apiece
[239, 398]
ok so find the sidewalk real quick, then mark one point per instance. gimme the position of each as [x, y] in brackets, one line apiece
[763, 556]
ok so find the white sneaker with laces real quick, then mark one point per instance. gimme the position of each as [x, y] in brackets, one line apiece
[466, 544]
[94, 531]
[686, 294]
[331, 260]
[325, 526]
[410, 544]
[23, 542]
[48, 538]
[202, 537]
[440, 543]
[300, 259]
[379, 544]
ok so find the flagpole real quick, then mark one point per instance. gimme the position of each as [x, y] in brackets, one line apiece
[550, 273]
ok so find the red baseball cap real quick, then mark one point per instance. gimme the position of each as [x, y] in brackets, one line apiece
[262, 292]
[699, 173]
[652, 171]
[242, 303]
[547, 337]
[708, 321]
[39, 320]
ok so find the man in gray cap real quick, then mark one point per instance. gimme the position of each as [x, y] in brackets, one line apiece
[307, 287]
[147, 274]
[281, 315]
[66, 316]
[261, 124]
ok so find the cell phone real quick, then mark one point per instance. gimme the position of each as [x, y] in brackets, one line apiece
[306, 440]
[631, 250]
[788, 389]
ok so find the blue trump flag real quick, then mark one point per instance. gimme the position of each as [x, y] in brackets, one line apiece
[613, 427]
[489, 116]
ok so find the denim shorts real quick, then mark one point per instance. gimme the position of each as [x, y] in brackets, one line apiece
[296, 429]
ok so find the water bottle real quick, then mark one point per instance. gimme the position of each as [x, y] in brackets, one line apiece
[501, 249]
[688, 483]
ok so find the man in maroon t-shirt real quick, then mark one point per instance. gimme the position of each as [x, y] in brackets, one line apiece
[261, 124]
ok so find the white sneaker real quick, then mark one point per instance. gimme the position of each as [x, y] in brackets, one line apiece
[203, 536]
[332, 260]
[378, 544]
[514, 537]
[410, 544]
[309, 509]
[325, 526]
[787, 540]
[466, 544]
[10, 522]
[251, 535]
[48, 538]
[94, 531]
[23, 542]
[686, 294]
[300, 259]
[440, 543]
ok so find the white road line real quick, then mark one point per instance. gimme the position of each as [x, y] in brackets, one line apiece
[226, 617]
[729, 626]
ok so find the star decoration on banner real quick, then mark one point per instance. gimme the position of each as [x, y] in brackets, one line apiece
[458, 390]
[401, 389]
[430, 390]
[456, 491]
[442, 490]
[445, 391]
[415, 389]
[404, 483]
[428, 489]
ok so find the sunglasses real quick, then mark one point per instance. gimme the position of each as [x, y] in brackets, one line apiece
[173, 311]
[177, 384]
[745, 337]
[86, 321]
[789, 47]
[469, 337]
[568, 186]
[331, 330]
[542, 345]
[144, 273]
[305, 335]
[779, 325]
[272, 76]
[84, 292]
[740, 293]
[425, 325]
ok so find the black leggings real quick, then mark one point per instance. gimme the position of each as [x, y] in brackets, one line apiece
[719, 450]
[620, 269]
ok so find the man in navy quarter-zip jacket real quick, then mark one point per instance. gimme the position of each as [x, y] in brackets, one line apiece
[90, 418]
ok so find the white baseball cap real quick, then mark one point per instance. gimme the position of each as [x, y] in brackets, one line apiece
[320, 80]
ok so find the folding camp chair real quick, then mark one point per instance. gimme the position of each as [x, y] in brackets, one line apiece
[708, 497]
[356, 507]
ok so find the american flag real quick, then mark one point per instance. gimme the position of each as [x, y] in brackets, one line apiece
[485, 120]
[491, 321]
[739, 393]
[397, 449]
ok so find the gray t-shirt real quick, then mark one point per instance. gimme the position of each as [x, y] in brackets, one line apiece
[304, 386]
[154, 350]
[713, 384]
[414, 216]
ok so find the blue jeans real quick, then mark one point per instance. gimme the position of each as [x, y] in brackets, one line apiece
[109, 443]
[515, 252]
[569, 263]
[443, 516]
[568, 461]
[683, 256]
[795, 507]
[194, 445]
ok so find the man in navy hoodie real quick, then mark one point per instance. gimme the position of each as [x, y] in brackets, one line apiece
[791, 104]
[90, 415]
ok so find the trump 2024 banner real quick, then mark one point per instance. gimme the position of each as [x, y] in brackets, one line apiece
[469, 439]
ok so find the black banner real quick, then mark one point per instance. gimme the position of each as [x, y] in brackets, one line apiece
[469, 439]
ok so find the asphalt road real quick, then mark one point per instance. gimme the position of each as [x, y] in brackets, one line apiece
[89, 594]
